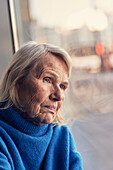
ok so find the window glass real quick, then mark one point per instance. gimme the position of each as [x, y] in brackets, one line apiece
[6, 49]
[85, 30]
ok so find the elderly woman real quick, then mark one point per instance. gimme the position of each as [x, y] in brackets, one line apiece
[31, 94]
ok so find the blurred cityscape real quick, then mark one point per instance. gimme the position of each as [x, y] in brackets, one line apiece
[88, 102]
[90, 46]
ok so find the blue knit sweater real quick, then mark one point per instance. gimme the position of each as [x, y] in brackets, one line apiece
[25, 146]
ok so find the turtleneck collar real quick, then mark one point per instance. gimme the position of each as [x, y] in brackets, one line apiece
[14, 119]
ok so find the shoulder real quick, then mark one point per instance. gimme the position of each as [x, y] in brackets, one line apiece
[4, 138]
[3, 129]
[62, 132]
[61, 128]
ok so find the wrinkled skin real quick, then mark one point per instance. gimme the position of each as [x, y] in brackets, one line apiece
[42, 96]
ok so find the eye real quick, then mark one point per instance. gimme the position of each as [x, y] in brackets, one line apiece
[47, 79]
[62, 86]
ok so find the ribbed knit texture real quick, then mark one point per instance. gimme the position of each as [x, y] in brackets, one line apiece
[26, 146]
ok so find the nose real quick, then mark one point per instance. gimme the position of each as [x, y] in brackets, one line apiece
[57, 95]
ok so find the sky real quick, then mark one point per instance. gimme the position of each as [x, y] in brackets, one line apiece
[63, 13]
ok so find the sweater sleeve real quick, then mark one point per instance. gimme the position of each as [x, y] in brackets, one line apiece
[75, 157]
[4, 164]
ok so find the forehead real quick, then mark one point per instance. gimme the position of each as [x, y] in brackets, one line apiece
[52, 62]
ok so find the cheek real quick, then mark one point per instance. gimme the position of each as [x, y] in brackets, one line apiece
[32, 93]
[41, 93]
[34, 101]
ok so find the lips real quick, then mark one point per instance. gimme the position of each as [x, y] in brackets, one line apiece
[51, 108]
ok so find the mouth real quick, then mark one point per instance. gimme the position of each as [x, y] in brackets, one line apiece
[52, 109]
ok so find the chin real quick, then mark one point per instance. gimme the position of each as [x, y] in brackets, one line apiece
[43, 122]
[47, 121]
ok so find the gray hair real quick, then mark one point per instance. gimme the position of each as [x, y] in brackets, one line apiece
[23, 61]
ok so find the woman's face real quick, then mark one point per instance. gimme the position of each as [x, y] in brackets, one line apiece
[42, 94]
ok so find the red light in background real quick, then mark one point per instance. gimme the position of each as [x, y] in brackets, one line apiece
[99, 48]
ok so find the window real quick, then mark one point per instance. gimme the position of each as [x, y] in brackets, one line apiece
[85, 30]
